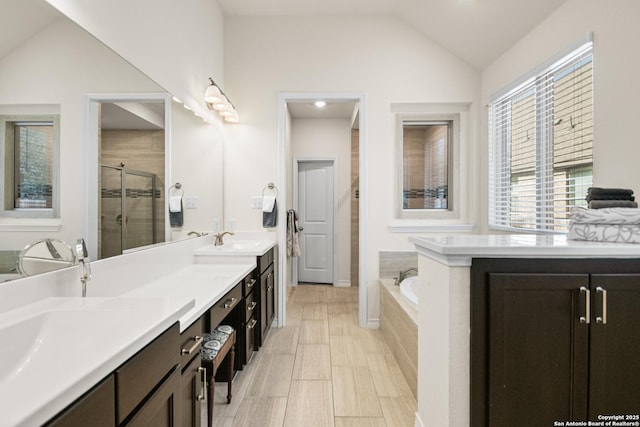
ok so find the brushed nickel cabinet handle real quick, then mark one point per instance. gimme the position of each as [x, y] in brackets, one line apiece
[587, 305]
[230, 302]
[203, 391]
[196, 344]
[250, 284]
[252, 324]
[602, 319]
[252, 306]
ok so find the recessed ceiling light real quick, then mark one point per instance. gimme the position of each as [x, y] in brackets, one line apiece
[320, 104]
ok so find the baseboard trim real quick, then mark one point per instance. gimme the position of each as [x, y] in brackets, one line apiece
[343, 284]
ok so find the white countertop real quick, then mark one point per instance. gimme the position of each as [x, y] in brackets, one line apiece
[205, 283]
[460, 250]
[236, 247]
[56, 349]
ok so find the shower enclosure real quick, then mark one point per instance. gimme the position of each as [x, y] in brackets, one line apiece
[127, 210]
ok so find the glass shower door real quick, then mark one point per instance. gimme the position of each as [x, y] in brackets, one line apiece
[139, 209]
[110, 212]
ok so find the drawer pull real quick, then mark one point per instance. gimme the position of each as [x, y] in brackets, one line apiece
[230, 302]
[203, 376]
[251, 283]
[587, 305]
[196, 344]
[602, 319]
[252, 324]
[252, 306]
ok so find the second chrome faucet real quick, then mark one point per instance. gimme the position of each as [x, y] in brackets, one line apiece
[219, 237]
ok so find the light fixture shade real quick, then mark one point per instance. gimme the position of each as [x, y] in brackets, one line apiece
[222, 104]
[233, 117]
[212, 94]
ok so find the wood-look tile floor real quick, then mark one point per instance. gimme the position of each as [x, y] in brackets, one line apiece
[322, 369]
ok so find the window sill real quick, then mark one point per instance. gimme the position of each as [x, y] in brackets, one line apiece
[416, 226]
[30, 224]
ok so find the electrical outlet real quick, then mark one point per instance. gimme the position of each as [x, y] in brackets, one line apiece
[191, 202]
[256, 202]
[217, 225]
[231, 224]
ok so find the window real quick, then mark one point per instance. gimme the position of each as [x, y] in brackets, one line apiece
[30, 151]
[541, 146]
[425, 164]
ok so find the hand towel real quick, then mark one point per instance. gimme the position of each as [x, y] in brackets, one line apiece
[176, 216]
[267, 203]
[175, 204]
[270, 219]
[293, 245]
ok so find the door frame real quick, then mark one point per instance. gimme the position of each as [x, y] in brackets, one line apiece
[92, 156]
[283, 153]
[334, 164]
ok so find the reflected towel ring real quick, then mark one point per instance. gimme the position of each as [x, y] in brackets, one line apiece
[178, 187]
[270, 186]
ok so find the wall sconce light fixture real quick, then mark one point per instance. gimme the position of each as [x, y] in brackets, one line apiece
[218, 101]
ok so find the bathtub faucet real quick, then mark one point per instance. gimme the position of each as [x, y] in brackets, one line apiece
[404, 274]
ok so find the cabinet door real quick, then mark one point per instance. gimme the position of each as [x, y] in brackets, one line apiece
[615, 345]
[192, 394]
[164, 407]
[538, 349]
[267, 292]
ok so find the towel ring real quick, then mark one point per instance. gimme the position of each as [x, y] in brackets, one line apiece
[270, 186]
[178, 187]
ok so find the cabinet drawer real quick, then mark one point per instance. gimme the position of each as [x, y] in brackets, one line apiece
[251, 330]
[190, 341]
[95, 408]
[223, 307]
[137, 377]
[251, 305]
[249, 284]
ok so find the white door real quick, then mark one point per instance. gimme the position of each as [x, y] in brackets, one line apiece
[316, 219]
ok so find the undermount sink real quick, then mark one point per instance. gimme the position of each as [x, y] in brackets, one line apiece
[240, 245]
[37, 340]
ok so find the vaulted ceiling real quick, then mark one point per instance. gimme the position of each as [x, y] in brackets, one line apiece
[477, 31]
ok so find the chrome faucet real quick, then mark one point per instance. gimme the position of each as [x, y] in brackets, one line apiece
[403, 275]
[219, 236]
[83, 259]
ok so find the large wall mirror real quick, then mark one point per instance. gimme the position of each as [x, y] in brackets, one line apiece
[137, 144]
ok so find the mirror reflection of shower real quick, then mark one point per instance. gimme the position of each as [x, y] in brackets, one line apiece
[127, 222]
[132, 158]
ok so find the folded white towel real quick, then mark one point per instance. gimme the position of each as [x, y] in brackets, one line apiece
[619, 216]
[175, 204]
[268, 202]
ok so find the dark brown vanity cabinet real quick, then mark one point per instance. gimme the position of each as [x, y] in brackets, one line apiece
[143, 391]
[554, 340]
[251, 313]
[267, 293]
[193, 375]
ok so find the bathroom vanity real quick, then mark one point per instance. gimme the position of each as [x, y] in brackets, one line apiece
[527, 330]
[128, 353]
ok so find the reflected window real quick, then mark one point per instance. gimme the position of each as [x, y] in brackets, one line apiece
[425, 164]
[30, 148]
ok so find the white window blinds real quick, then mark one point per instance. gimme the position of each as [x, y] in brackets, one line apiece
[541, 146]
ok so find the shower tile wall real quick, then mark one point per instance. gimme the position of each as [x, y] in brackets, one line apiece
[142, 150]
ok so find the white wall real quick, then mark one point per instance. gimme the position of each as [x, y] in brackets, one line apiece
[378, 56]
[330, 138]
[616, 92]
[177, 44]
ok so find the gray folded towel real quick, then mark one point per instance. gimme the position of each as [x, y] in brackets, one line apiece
[270, 219]
[600, 204]
[611, 191]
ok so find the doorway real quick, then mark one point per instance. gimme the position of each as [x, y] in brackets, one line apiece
[315, 181]
[358, 193]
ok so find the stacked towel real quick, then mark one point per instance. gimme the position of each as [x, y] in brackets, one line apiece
[600, 198]
[605, 225]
